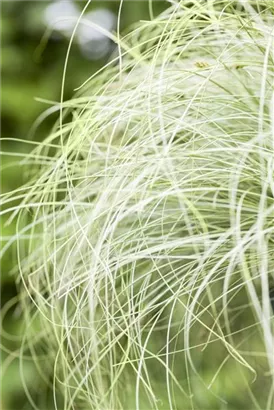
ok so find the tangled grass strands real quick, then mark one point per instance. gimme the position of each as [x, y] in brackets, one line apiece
[149, 220]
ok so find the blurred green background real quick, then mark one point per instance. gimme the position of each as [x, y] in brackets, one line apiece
[35, 38]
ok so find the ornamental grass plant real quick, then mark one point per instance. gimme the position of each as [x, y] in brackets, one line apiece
[145, 235]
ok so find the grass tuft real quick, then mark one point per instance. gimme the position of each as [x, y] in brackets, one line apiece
[149, 219]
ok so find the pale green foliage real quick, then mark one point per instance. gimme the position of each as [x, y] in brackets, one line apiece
[151, 250]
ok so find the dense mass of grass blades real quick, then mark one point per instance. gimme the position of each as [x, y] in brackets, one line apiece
[150, 220]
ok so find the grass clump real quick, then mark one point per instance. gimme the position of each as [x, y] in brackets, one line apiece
[150, 258]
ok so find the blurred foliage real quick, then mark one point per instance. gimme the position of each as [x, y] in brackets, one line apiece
[32, 67]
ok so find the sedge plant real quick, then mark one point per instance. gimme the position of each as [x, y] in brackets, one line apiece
[149, 210]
